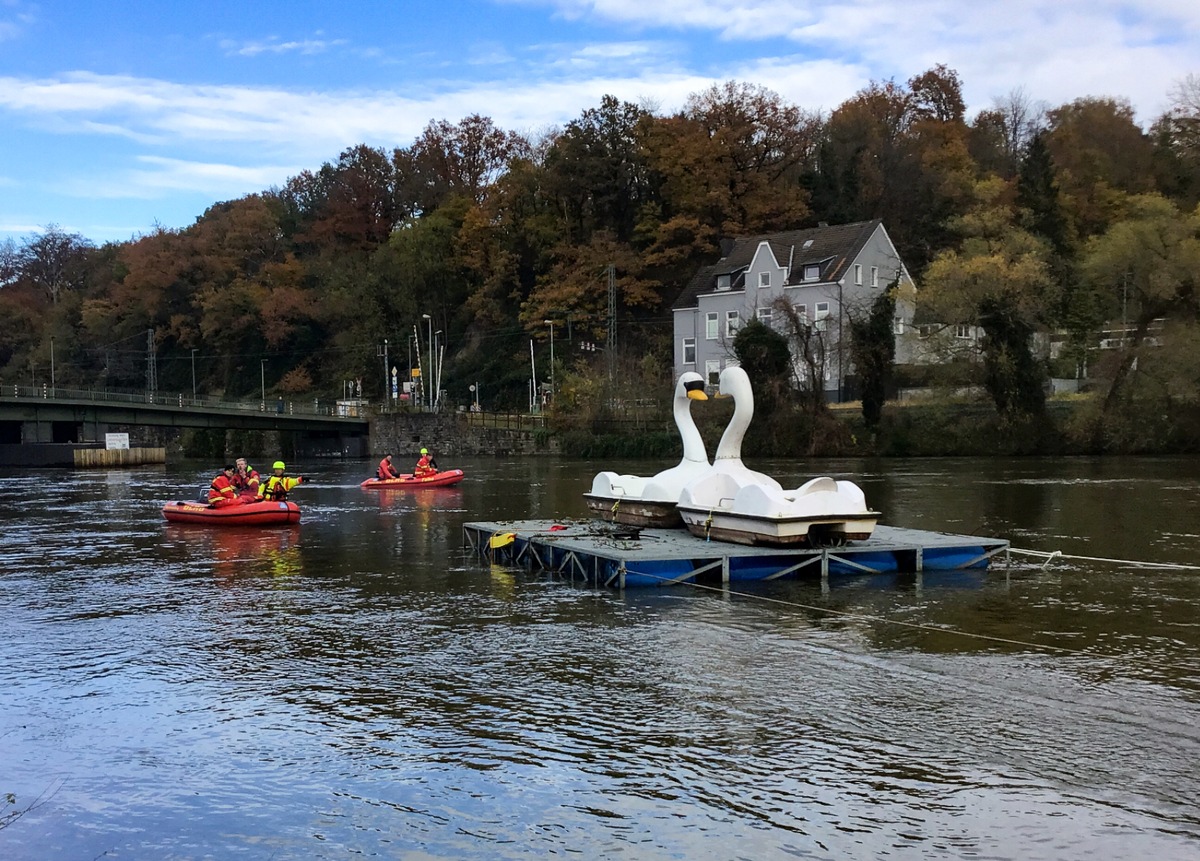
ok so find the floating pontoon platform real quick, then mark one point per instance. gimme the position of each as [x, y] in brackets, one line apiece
[612, 555]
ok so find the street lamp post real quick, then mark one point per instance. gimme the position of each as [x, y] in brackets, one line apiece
[430, 342]
[194, 373]
[553, 391]
[437, 369]
[53, 388]
[262, 370]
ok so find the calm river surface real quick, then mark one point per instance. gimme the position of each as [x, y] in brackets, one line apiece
[358, 686]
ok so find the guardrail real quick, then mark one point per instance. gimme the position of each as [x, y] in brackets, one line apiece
[178, 400]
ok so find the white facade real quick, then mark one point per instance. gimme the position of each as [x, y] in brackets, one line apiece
[826, 274]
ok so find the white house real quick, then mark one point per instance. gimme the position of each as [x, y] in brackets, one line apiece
[825, 274]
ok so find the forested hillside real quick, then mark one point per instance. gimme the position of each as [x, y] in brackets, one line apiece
[1024, 217]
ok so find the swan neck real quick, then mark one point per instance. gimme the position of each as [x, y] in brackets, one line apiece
[730, 447]
[693, 443]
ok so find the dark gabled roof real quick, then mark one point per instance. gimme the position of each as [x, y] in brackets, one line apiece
[832, 249]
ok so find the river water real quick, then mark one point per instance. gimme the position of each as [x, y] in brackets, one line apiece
[358, 686]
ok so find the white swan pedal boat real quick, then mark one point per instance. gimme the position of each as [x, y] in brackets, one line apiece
[730, 502]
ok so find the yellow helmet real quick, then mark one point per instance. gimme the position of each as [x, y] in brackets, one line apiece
[424, 451]
[279, 464]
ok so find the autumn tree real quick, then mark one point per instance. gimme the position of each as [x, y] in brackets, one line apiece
[53, 261]
[899, 153]
[1101, 156]
[447, 160]
[730, 163]
[351, 205]
[596, 172]
[575, 285]
[1148, 265]
[1001, 135]
[998, 279]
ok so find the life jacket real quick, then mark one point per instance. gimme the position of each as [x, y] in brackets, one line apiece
[425, 466]
[247, 481]
[221, 488]
[277, 487]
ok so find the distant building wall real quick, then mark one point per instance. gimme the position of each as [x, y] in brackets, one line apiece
[457, 435]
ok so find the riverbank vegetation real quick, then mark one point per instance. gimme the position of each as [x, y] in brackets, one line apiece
[526, 260]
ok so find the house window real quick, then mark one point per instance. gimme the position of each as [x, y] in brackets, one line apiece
[689, 351]
[764, 279]
[731, 323]
[874, 276]
[764, 316]
[802, 312]
[724, 281]
[821, 311]
[712, 371]
[812, 273]
[898, 326]
[962, 330]
[858, 274]
[710, 326]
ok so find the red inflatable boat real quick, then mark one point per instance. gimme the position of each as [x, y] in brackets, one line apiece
[249, 514]
[445, 478]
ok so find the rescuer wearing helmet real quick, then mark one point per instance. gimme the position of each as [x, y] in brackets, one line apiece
[277, 486]
[426, 465]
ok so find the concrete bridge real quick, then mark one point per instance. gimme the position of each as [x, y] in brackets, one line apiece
[39, 415]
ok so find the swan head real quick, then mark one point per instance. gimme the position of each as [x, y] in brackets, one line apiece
[690, 386]
[735, 382]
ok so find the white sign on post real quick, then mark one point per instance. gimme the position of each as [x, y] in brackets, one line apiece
[116, 440]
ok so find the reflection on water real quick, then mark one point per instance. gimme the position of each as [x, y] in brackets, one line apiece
[358, 684]
[237, 551]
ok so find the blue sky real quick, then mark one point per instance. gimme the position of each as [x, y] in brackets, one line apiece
[117, 117]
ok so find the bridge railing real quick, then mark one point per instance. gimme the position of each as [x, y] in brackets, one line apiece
[179, 400]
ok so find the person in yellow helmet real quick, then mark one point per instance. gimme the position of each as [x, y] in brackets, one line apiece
[426, 465]
[277, 486]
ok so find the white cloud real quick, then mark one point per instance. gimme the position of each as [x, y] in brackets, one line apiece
[275, 46]
[172, 174]
[15, 228]
[1058, 50]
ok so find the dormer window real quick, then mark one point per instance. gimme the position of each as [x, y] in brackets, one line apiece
[812, 272]
[724, 281]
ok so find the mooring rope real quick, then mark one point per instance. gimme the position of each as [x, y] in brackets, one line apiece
[1058, 554]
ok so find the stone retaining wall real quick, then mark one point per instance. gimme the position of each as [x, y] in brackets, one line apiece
[451, 435]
